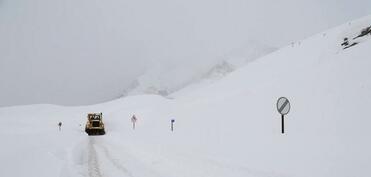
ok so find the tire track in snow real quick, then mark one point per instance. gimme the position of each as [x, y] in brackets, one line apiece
[97, 149]
[93, 166]
[115, 161]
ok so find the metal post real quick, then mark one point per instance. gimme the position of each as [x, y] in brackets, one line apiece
[283, 123]
[172, 126]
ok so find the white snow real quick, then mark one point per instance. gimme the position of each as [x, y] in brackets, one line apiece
[225, 128]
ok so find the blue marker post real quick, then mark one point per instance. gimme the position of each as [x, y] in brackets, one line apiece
[172, 124]
[60, 125]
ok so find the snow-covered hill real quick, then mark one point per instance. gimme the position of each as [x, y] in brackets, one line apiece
[81, 52]
[226, 128]
[158, 80]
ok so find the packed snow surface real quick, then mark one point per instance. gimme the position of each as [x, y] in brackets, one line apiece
[228, 128]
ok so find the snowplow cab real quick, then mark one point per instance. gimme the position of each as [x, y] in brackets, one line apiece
[95, 125]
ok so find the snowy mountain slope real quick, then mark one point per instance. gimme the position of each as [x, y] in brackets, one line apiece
[80, 52]
[158, 80]
[225, 128]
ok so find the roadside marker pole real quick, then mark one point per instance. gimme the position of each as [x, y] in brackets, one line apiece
[133, 120]
[283, 123]
[172, 124]
[60, 125]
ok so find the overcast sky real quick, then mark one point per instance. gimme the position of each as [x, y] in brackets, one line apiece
[74, 52]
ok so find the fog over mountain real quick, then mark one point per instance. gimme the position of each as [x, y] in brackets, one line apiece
[74, 52]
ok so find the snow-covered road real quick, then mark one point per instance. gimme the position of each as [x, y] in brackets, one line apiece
[93, 165]
[98, 153]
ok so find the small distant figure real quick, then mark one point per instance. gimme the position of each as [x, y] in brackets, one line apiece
[134, 120]
[60, 125]
[345, 42]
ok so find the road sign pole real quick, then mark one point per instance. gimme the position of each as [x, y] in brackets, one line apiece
[283, 123]
[283, 107]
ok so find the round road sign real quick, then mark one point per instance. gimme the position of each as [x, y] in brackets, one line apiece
[283, 106]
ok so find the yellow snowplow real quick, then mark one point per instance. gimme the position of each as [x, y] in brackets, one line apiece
[95, 125]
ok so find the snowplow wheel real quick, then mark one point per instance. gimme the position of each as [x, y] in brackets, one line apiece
[102, 132]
